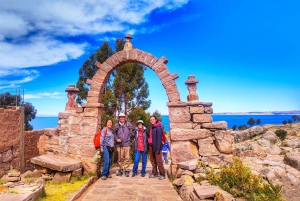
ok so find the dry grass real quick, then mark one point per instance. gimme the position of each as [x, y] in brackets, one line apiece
[61, 191]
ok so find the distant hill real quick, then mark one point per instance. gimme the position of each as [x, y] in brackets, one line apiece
[291, 112]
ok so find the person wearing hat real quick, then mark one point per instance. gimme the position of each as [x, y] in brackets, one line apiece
[140, 148]
[122, 136]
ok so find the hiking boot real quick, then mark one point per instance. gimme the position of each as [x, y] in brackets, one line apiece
[152, 176]
[109, 176]
[133, 175]
[161, 177]
[119, 173]
[126, 173]
[143, 175]
[103, 177]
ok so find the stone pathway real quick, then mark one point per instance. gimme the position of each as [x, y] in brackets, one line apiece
[132, 188]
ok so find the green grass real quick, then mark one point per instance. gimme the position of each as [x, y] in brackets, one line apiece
[61, 191]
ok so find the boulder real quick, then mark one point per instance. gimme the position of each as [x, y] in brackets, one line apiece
[223, 141]
[241, 136]
[58, 163]
[255, 130]
[271, 136]
[61, 176]
[293, 143]
[207, 147]
[187, 193]
[184, 179]
[205, 192]
[183, 151]
[293, 159]
[189, 165]
[202, 118]
[224, 196]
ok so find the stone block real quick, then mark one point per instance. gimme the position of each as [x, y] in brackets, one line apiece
[184, 179]
[183, 151]
[64, 115]
[202, 118]
[197, 110]
[178, 125]
[51, 132]
[87, 150]
[7, 156]
[204, 104]
[189, 165]
[179, 114]
[141, 57]
[223, 141]
[77, 173]
[208, 110]
[105, 67]
[293, 160]
[43, 170]
[205, 192]
[189, 134]
[150, 60]
[80, 140]
[171, 87]
[221, 125]
[58, 163]
[61, 176]
[6, 178]
[122, 55]
[174, 97]
[162, 60]
[207, 147]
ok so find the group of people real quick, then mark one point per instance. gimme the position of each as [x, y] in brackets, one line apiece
[146, 140]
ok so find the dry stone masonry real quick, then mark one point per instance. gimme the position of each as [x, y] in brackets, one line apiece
[9, 139]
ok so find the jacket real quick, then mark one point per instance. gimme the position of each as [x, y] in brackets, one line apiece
[145, 139]
[157, 133]
[122, 132]
[166, 146]
[108, 139]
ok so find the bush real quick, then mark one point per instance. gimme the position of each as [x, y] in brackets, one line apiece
[281, 134]
[238, 180]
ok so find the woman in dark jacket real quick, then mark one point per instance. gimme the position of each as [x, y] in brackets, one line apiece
[140, 148]
[155, 146]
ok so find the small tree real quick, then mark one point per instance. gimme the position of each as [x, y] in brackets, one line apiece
[233, 127]
[295, 118]
[281, 133]
[157, 114]
[258, 121]
[251, 121]
[284, 122]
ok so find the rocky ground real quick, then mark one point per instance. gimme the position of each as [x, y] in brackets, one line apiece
[259, 148]
[277, 161]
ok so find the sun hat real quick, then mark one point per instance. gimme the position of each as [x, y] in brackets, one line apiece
[121, 114]
[140, 121]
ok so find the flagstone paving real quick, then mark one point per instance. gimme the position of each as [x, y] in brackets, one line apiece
[132, 188]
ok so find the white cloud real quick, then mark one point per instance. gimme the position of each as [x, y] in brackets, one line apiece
[16, 77]
[56, 95]
[37, 33]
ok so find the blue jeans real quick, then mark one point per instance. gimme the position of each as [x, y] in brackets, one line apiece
[106, 161]
[137, 157]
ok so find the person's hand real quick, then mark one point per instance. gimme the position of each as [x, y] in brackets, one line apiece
[118, 140]
[102, 150]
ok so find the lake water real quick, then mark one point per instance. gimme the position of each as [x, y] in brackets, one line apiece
[51, 122]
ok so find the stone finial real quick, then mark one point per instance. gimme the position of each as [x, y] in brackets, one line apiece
[191, 85]
[128, 45]
[72, 92]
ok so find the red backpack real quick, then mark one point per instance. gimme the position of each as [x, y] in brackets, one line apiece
[97, 138]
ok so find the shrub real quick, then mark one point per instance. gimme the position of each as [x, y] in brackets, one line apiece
[238, 180]
[281, 134]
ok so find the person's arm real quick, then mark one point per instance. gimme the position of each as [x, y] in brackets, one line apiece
[102, 139]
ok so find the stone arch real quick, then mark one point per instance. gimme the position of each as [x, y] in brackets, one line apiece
[134, 56]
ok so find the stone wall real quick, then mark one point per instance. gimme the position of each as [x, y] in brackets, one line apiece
[9, 139]
[31, 149]
[194, 135]
[73, 137]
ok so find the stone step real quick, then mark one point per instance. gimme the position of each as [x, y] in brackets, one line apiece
[57, 163]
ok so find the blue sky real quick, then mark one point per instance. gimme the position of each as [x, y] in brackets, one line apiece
[246, 54]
